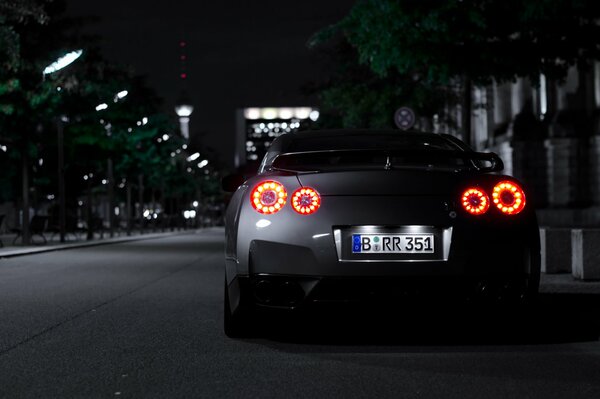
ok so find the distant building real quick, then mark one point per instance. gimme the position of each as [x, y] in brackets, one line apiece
[256, 128]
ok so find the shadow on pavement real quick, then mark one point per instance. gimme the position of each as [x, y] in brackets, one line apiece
[553, 319]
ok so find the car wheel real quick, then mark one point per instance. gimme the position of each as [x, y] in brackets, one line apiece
[236, 325]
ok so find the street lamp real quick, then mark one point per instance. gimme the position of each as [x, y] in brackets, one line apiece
[62, 62]
[121, 95]
[193, 157]
[57, 65]
[202, 163]
[109, 166]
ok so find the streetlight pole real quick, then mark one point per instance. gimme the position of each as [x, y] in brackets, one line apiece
[129, 212]
[25, 234]
[141, 201]
[109, 168]
[61, 179]
[57, 65]
[111, 197]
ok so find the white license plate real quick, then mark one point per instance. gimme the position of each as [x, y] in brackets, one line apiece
[392, 243]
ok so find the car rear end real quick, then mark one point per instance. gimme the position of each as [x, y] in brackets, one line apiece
[383, 230]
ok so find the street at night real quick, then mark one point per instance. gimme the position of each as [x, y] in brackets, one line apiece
[316, 199]
[144, 319]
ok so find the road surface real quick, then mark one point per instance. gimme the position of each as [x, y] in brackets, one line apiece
[144, 319]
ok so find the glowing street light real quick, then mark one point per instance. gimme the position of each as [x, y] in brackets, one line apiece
[314, 115]
[122, 94]
[202, 163]
[193, 157]
[62, 62]
[101, 107]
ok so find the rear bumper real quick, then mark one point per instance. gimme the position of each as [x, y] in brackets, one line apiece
[500, 265]
[477, 257]
[294, 291]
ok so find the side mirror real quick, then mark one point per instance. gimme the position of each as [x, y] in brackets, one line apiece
[230, 183]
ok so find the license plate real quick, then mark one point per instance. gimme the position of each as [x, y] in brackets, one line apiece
[393, 243]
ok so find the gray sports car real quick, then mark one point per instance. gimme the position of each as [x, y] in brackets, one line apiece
[375, 217]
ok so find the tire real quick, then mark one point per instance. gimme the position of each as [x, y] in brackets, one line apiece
[533, 283]
[235, 325]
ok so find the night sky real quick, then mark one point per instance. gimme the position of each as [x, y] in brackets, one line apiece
[240, 53]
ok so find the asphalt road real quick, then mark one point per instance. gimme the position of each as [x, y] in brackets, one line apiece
[144, 319]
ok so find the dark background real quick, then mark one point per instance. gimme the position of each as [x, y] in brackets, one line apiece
[239, 53]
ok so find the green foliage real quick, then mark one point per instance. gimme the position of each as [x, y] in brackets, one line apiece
[482, 39]
[356, 97]
[12, 13]
[416, 52]
[31, 107]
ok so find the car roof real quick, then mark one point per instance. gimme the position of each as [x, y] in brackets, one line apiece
[303, 134]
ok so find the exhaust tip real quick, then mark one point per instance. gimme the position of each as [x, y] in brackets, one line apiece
[291, 293]
[272, 292]
[264, 291]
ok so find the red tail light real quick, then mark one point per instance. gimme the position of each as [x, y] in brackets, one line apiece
[508, 197]
[475, 201]
[306, 200]
[268, 197]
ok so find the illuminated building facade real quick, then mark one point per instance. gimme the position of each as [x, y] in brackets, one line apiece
[258, 127]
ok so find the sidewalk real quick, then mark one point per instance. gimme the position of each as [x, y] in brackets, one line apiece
[564, 283]
[53, 244]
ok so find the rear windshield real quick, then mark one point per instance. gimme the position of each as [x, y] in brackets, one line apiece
[377, 159]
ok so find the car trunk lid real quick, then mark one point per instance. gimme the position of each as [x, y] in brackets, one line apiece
[380, 182]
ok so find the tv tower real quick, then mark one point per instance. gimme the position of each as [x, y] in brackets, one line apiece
[183, 108]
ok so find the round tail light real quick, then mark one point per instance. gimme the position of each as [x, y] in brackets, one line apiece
[508, 197]
[268, 197]
[306, 200]
[475, 201]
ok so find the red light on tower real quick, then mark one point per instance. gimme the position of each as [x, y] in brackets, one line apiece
[182, 60]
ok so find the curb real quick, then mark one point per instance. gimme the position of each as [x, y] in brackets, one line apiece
[565, 283]
[115, 240]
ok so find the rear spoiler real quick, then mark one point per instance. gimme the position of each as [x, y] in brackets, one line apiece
[308, 161]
